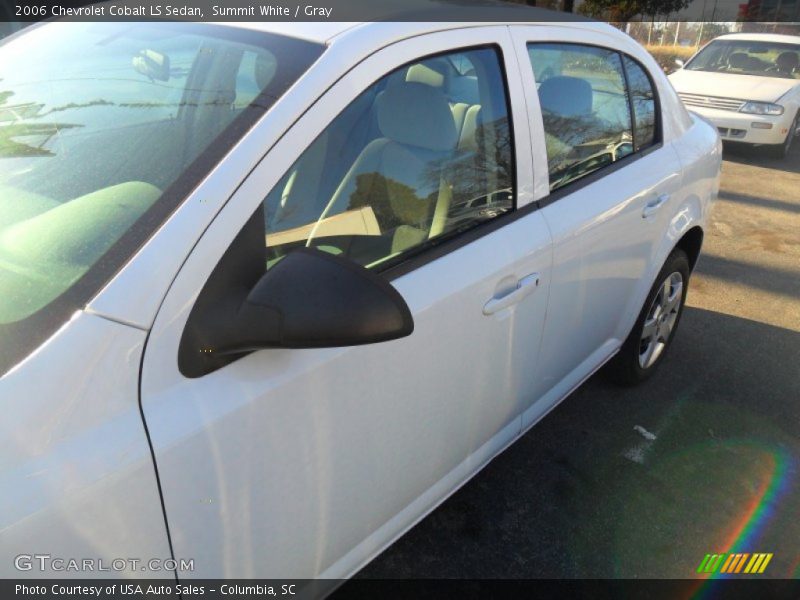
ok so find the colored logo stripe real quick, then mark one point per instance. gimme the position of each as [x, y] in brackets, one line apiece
[710, 563]
[734, 563]
[758, 563]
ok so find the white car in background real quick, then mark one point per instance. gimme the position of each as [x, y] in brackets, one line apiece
[748, 85]
[206, 230]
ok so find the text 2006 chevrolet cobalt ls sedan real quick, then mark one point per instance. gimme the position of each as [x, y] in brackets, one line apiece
[299, 282]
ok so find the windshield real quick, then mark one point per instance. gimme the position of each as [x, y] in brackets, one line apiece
[104, 129]
[767, 59]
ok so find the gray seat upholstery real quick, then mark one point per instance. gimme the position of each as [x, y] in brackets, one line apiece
[418, 115]
[566, 96]
[738, 60]
[438, 74]
[467, 139]
[265, 68]
[400, 173]
[787, 62]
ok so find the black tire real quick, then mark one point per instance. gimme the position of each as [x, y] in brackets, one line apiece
[626, 367]
[782, 150]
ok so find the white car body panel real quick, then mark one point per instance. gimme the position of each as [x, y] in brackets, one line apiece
[302, 463]
[75, 465]
[733, 85]
[602, 248]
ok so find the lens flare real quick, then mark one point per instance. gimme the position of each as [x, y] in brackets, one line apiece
[745, 533]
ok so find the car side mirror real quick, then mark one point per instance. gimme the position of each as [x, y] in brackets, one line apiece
[680, 64]
[152, 64]
[327, 301]
[309, 299]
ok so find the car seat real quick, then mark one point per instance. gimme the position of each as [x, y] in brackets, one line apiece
[402, 174]
[565, 102]
[786, 63]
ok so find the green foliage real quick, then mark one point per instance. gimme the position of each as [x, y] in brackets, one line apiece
[622, 11]
[19, 136]
[667, 55]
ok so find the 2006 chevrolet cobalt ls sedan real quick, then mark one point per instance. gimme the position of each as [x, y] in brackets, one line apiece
[270, 293]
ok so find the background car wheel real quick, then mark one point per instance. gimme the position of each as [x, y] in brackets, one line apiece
[655, 328]
[782, 150]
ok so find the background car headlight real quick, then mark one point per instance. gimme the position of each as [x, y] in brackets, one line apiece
[761, 108]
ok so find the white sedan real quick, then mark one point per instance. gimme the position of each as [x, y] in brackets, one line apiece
[748, 85]
[270, 293]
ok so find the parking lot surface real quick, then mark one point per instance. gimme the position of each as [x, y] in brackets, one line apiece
[705, 457]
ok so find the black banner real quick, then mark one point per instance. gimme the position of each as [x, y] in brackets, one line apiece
[369, 589]
[26, 11]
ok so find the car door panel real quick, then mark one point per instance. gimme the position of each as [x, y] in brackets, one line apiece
[603, 244]
[285, 462]
[601, 255]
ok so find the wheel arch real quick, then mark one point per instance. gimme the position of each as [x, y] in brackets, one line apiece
[691, 243]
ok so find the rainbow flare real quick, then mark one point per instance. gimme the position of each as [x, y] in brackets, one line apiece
[752, 522]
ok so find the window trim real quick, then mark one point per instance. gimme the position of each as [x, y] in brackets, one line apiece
[629, 96]
[435, 248]
[658, 133]
[444, 245]
[598, 174]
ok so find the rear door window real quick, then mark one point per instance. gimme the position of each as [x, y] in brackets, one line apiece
[585, 108]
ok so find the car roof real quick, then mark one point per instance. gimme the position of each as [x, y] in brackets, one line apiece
[319, 32]
[762, 37]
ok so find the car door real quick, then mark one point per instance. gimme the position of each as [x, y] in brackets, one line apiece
[611, 179]
[297, 463]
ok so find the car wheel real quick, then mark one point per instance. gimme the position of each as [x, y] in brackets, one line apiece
[655, 328]
[782, 150]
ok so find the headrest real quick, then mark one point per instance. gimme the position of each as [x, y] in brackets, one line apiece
[566, 96]
[788, 60]
[738, 60]
[417, 115]
[420, 73]
[265, 70]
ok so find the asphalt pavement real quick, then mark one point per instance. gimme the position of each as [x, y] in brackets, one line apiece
[642, 482]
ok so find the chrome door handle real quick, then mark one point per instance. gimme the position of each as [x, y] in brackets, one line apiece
[525, 286]
[651, 207]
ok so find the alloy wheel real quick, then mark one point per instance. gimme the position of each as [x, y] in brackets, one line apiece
[660, 321]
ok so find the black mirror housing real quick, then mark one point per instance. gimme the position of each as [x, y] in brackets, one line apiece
[310, 299]
[326, 301]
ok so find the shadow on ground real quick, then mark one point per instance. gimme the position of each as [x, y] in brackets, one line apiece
[783, 282]
[756, 156]
[585, 493]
